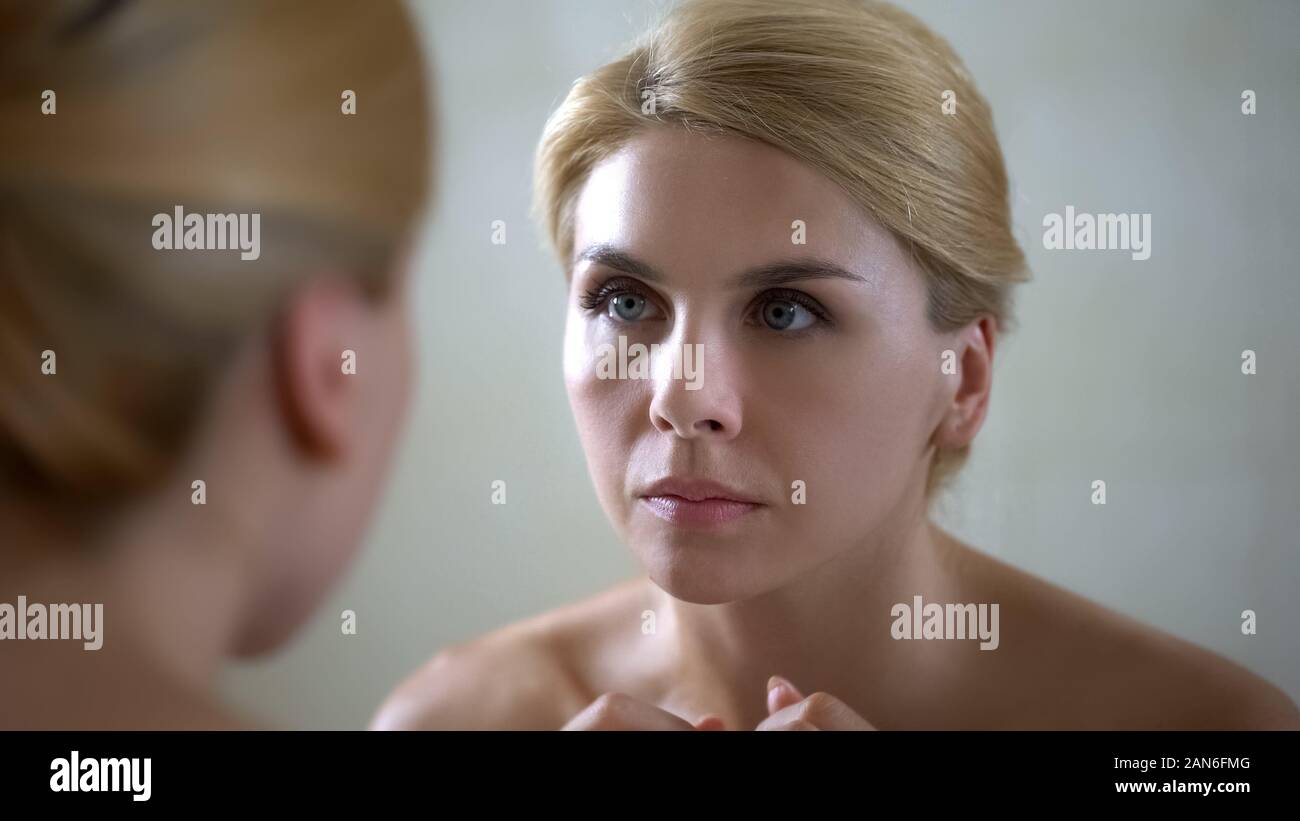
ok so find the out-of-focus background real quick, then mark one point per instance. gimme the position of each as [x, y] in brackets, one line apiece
[1124, 371]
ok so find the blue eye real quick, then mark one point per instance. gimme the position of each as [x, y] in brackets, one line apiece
[620, 300]
[784, 315]
[627, 306]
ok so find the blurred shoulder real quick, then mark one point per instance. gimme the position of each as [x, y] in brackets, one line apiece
[529, 675]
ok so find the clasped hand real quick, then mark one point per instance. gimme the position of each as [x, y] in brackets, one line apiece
[787, 709]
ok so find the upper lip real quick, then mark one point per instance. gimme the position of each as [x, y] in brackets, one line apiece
[697, 490]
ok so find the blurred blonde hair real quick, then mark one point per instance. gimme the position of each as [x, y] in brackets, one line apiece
[851, 87]
[231, 107]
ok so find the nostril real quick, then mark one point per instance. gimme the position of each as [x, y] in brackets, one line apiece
[662, 423]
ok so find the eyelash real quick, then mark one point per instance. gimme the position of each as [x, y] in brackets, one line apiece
[596, 298]
[799, 298]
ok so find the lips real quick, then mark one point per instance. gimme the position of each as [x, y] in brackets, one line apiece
[697, 502]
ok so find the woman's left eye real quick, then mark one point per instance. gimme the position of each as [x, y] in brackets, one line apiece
[782, 315]
[782, 312]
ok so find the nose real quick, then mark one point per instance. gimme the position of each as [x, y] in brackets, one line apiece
[695, 393]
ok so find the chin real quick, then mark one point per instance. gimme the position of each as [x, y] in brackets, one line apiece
[701, 573]
[265, 639]
[277, 624]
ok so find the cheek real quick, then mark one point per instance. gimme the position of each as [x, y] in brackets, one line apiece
[854, 426]
[610, 414]
[605, 409]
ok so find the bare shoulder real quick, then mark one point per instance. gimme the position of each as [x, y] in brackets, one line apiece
[529, 675]
[1093, 667]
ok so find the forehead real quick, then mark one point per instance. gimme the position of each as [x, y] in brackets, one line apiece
[697, 205]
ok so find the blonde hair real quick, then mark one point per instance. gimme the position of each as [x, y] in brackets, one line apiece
[854, 89]
[232, 107]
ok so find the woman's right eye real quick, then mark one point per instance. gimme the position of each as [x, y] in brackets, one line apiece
[627, 307]
[620, 303]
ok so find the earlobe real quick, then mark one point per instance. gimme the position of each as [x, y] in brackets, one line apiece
[316, 398]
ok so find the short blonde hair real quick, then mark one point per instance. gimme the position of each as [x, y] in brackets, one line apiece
[229, 107]
[853, 88]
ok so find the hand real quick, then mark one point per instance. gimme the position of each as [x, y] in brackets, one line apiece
[616, 711]
[788, 709]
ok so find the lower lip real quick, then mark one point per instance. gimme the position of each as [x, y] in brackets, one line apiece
[703, 513]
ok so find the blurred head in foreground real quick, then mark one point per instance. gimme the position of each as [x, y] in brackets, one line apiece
[804, 206]
[205, 223]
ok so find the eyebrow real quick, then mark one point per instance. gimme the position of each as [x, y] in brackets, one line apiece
[770, 275]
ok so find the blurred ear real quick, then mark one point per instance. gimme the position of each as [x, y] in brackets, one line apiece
[965, 411]
[322, 317]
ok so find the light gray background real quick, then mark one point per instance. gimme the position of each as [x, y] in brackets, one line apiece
[1123, 371]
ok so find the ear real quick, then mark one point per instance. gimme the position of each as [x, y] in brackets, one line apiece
[966, 407]
[322, 317]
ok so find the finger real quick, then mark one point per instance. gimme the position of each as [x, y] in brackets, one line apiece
[781, 694]
[797, 724]
[710, 722]
[821, 710]
[617, 711]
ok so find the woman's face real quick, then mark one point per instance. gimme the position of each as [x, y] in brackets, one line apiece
[807, 383]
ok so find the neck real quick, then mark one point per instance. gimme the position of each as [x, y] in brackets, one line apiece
[171, 591]
[829, 630]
